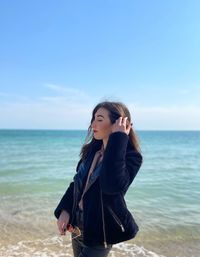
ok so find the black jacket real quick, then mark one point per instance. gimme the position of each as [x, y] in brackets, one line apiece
[106, 217]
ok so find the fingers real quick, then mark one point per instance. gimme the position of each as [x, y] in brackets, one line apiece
[122, 124]
[122, 121]
[119, 120]
[62, 227]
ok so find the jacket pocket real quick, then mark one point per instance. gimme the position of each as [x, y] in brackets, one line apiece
[116, 218]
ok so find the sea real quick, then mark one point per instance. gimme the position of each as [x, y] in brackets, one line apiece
[36, 167]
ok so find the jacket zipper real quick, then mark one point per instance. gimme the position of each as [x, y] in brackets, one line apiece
[104, 233]
[116, 219]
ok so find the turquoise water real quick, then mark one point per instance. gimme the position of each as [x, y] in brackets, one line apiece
[36, 167]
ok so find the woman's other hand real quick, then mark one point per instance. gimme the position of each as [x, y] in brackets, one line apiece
[122, 124]
[62, 222]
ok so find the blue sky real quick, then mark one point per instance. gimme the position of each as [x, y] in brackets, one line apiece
[58, 59]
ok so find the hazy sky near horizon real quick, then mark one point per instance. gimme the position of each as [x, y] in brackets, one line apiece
[58, 59]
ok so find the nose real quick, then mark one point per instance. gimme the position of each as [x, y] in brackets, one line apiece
[93, 125]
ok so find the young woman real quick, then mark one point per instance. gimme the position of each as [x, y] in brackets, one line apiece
[93, 208]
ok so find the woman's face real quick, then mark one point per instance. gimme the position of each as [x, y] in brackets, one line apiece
[101, 124]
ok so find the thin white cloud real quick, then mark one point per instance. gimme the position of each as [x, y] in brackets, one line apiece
[73, 111]
[70, 108]
[45, 115]
[67, 91]
[183, 117]
[6, 97]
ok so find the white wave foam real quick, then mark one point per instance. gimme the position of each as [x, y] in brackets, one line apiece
[55, 246]
[58, 246]
[132, 250]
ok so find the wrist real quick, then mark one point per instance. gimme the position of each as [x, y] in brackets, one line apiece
[66, 212]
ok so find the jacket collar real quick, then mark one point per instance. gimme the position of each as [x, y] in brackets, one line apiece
[88, 162]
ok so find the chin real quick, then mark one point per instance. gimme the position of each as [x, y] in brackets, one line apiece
[97, 138]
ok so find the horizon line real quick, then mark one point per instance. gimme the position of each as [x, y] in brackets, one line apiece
[54, 129]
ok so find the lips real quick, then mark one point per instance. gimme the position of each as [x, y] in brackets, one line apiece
[95, 131]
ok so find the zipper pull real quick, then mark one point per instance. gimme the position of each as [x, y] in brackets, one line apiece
[105, 244]
[122, 227]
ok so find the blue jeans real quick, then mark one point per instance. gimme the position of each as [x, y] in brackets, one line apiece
[81, 250]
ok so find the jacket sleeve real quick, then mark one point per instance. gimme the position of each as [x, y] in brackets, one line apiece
[66, 201]
[119, 166]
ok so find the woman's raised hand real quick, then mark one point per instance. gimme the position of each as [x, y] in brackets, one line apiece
[62, 222]
[122, 124]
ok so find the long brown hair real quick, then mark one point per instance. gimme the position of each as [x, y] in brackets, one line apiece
[115, 110]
